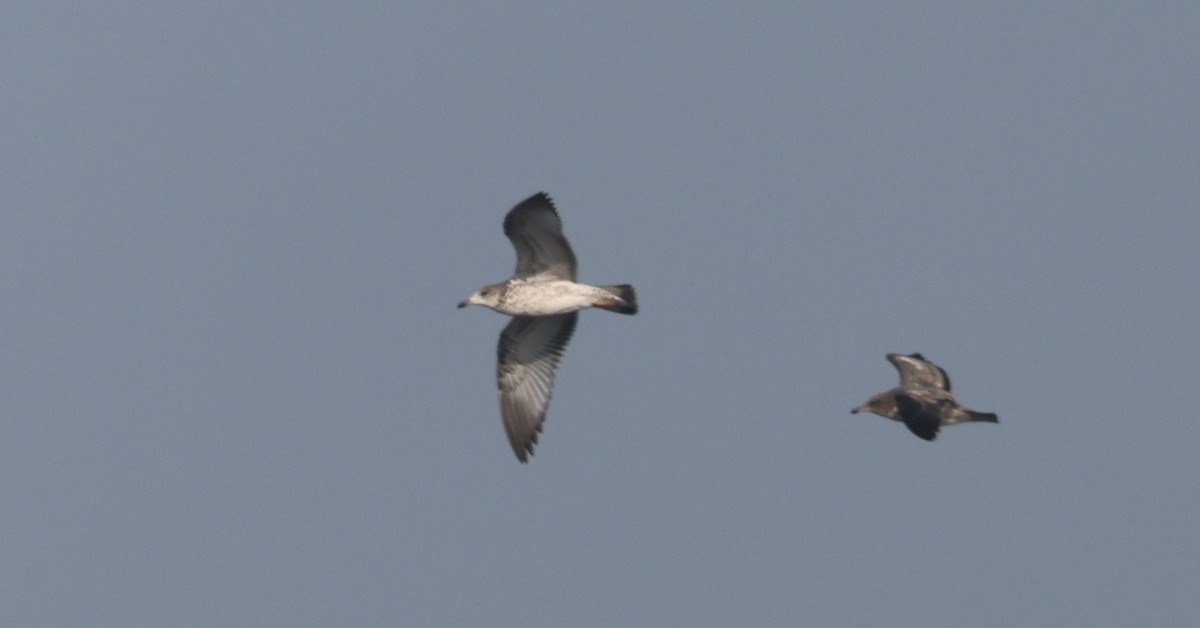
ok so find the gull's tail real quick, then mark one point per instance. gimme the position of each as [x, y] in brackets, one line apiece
[625, 303]
[987, 417]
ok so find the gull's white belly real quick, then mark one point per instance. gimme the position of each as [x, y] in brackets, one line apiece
[549, 298]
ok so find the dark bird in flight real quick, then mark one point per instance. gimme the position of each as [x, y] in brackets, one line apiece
[923, 401]
[544, 300]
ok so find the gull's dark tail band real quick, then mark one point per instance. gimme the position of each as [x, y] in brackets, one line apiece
[628, 300]
[986, 417]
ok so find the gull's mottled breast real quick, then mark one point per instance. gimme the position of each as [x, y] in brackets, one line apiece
[546, 298]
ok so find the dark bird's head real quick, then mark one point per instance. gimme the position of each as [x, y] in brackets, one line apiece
[883, 404]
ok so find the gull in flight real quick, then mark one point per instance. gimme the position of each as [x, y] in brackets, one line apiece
[543, 300]
[923, 400]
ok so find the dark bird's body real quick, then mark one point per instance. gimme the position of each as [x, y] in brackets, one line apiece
[923, 401]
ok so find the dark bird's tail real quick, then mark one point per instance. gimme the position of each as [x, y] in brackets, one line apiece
[986, 417]
[628, 300]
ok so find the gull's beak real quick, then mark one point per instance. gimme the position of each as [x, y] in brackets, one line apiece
[464, 303]
[854, 411]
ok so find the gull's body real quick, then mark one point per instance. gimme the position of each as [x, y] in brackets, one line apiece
[544, 300]
[923, 401]
[531, 297]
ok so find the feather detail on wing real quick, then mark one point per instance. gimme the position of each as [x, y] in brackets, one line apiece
[529, 352]
[536, 233]
[916, 371]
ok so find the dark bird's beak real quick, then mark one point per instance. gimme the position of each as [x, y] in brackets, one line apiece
[854, 411]
[463, 304]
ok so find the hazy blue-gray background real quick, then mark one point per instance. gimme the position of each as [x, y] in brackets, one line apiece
[235, 390]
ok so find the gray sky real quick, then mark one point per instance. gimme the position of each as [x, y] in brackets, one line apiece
[236, 391]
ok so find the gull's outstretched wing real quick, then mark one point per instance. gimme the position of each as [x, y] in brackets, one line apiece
[536, 233]
[530, 349]
[916, 372]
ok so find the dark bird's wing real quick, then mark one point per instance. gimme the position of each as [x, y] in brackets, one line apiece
[922, 416]
[530, 349]
[535, 230]
[916, 371]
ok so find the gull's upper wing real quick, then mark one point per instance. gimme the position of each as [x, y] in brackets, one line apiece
[535, 230]
[530, 349]
[916, 371]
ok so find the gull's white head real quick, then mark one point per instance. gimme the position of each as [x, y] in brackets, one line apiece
[488, 296]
